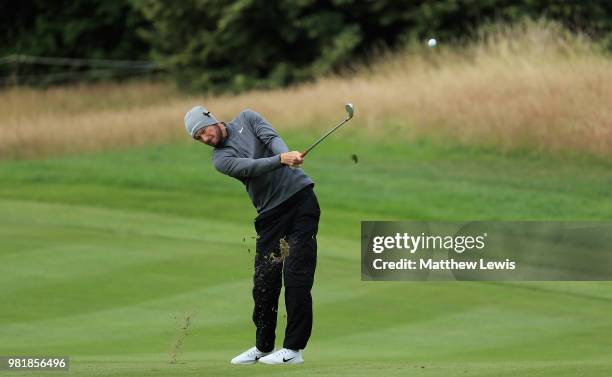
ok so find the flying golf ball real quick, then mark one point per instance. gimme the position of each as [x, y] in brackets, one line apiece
[432, 42]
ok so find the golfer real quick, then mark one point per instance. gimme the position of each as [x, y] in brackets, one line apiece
[250, 150]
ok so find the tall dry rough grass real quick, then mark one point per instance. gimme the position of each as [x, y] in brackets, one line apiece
[533, 85]
[530, 85]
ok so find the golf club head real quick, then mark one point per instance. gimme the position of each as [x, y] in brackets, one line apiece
[349, 110]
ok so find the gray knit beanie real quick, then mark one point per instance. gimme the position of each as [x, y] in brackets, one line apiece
[198, 118]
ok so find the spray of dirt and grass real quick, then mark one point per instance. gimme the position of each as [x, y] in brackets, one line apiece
[532, 85]
[184, 323]
[283, 247]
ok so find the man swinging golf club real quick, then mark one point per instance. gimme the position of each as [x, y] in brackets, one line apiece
[250, 150]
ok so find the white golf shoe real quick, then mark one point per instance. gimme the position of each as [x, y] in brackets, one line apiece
[249, 356]
[283, 356]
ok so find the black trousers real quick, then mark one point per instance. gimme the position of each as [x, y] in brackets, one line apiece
[296, 221]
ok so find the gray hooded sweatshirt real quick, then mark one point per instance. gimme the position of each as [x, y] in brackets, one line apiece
[251, 154]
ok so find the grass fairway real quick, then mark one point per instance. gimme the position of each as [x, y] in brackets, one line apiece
[104, 255]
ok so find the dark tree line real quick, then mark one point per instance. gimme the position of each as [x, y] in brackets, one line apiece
[217, 45]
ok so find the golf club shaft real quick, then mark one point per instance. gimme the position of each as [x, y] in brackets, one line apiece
[323, 137]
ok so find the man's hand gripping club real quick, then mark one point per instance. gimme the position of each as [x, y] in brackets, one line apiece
[293, 159]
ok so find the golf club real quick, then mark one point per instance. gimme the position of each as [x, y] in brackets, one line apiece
[349, 112]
